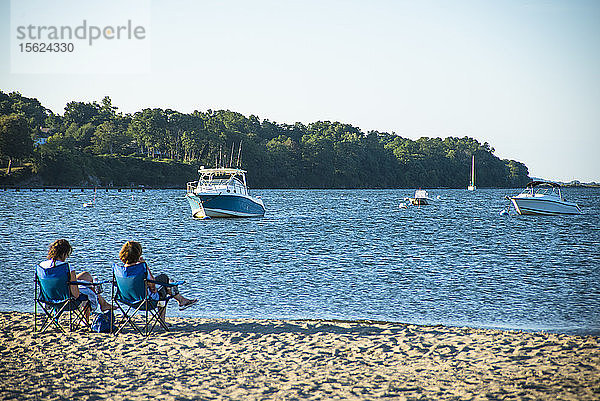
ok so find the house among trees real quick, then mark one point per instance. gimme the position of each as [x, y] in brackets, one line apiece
[42, 137]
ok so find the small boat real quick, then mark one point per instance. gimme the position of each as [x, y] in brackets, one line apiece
[222, 192]
[543, 198]
[472, 186]
[92, 203]
[421, 198]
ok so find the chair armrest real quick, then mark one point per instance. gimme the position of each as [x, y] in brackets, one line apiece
[174, 284]
[87, 283]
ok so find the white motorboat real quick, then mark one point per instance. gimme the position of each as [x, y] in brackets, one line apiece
[222, 192]
[543, 198]
[472, 186]
[421, 198]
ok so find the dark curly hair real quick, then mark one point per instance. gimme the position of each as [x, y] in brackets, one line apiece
[130, 252]
[59, 249]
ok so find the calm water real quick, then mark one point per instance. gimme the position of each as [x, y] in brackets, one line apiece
[345, 254]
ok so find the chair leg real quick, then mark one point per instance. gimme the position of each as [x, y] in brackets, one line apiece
[53, 316]
[128, 318]
[83, 315]
[48, 321]
[76, 315]
[161, 311]
[151, 318]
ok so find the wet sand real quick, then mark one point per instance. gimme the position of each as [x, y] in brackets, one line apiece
[280, 359]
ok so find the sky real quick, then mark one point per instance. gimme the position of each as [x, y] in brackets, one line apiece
[523, 76]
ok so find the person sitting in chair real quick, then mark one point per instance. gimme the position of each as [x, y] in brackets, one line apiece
[131, 255]
[58, 252]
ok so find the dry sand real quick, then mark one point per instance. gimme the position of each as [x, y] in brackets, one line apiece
[277, 359]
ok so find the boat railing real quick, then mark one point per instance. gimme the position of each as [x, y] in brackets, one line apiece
[208, 183]
[199, 186]
[191, 186]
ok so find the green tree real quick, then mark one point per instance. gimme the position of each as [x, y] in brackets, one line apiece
[108, 138]
[106, 111]
[81, 113]
[15, 138]
[149, 128]
[30, 108]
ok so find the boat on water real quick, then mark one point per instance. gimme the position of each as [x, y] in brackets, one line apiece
[222, 192]
[472, 186]
[543, 198]
[421, 198]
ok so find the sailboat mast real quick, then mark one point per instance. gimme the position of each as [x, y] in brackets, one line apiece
[239, 154]
[473, 171]
[471, 186]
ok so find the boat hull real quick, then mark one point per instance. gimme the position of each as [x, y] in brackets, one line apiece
[419, 201]
[225, 205]
[543, 206]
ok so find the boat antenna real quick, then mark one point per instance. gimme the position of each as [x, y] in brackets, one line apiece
[239, 154]
[220, 158]
[231, 157]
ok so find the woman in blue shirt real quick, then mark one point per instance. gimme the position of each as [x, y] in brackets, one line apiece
[131, 255]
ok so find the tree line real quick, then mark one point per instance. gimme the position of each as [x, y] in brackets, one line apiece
[93, 143]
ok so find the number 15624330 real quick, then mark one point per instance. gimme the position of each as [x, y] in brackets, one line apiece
[46, 47]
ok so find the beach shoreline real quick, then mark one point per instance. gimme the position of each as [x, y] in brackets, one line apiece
[295, 359]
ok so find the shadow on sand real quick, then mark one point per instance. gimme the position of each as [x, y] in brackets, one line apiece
[264, 327]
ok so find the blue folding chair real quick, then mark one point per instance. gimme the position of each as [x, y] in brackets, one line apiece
[53, 295]
[131, 296]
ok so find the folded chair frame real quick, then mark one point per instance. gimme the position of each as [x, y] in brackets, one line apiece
[53, 310]
[152, 309]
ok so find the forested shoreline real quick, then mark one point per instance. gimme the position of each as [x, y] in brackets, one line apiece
[92, 144]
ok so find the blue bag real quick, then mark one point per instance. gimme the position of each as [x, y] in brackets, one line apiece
[102, 322]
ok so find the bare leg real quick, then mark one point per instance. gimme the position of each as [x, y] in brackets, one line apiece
[104, 306]
[183, 300]
[86, 276]
[180, 298]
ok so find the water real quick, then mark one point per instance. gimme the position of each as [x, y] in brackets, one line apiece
[343, 254]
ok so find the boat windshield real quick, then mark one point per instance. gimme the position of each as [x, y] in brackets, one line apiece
[228, 183]
[544, 190]
[215, 181]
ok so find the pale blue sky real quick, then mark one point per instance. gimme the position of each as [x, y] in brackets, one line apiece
[523, 76]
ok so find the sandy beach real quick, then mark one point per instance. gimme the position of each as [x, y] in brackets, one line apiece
[278, 359]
